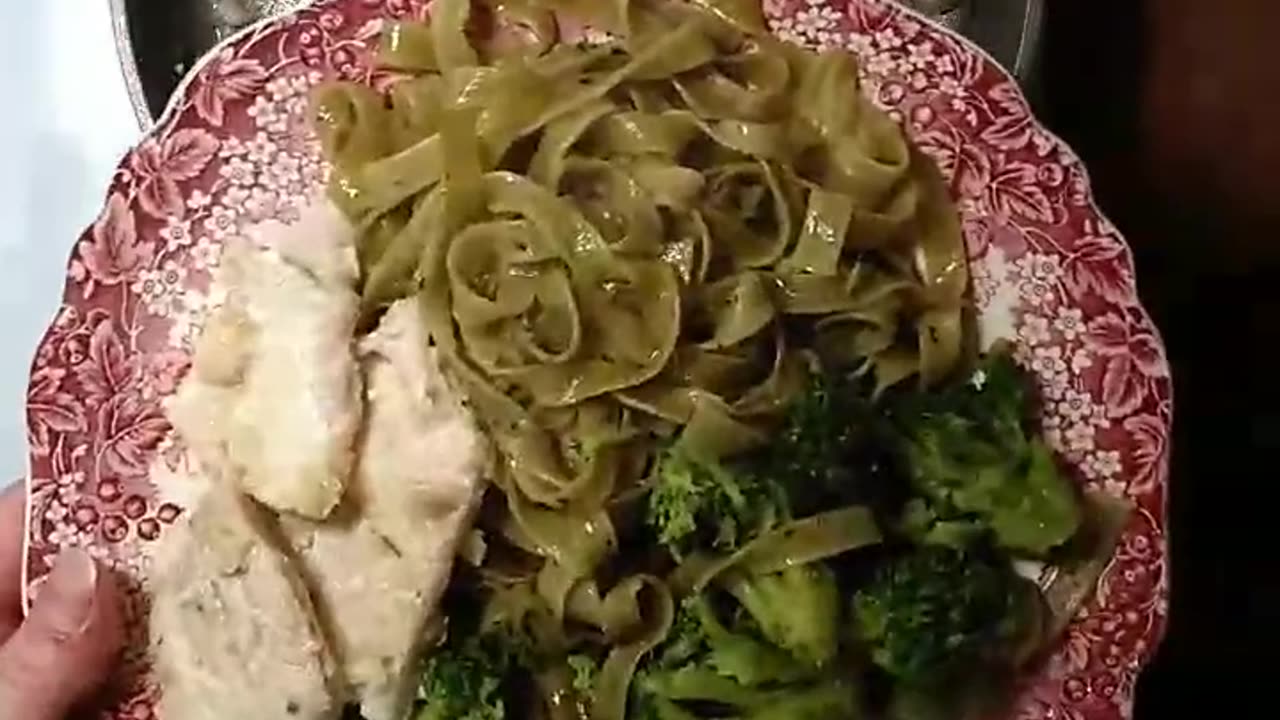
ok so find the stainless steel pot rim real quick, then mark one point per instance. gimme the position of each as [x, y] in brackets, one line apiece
[129, 62]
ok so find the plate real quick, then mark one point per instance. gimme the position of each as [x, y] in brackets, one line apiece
[158, 42]
[1050, 273]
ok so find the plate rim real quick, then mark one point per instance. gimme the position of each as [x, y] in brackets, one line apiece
[1155, 635]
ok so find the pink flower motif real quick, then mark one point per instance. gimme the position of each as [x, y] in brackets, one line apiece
[233, 201]
[176, 232]
[1104, 464]
[206, 254]
[232, 146]
[238, 171]
[267, 116]
[261, 150]
[159, 289]
[221, 222]
[261, 205]
[1046, 361]
[1046, 268]
[1081, 360]
[1069, 322]
[1037, 293]
[1035, 330]
[1075, 406]
[160, 165]
[1079, 437]
[226, 79]
[919, 55]
[114, 252]
[887, 39]
[198, 201]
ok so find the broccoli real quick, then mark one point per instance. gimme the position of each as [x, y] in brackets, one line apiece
[469, 675]
[936, 609]
[698, 638]
[464, 681]
[796, 609]
[713, 662]
[968, 454]
[585, 671]
[809, 456]
[698, 502]
[825, 700]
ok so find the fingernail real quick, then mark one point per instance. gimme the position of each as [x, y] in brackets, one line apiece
[68, 595]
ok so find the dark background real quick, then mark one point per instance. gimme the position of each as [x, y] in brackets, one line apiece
[1175, 107]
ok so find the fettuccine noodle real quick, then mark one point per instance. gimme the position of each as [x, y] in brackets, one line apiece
[618, 243]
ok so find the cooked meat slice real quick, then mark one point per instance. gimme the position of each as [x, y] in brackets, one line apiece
[234, 632]
[378, 566]
[274, 392]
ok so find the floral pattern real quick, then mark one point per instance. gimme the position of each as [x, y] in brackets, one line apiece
[1050, 273]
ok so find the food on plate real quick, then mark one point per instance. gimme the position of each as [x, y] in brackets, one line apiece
[361, 499]
[234, 628]
[679, 319]
[275, 392]
[378, 567]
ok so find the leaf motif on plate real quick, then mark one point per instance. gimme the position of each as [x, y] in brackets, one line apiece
[51, 410]
[1015, 191]
[129, 430]
[113, 252]
[228, 78]
[1095, 266]
[108, 370]
[159, 165]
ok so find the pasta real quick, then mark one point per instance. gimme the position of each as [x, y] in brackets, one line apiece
[655, 238]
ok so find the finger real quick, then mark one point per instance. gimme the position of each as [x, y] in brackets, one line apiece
[13, 509]
[67, 645]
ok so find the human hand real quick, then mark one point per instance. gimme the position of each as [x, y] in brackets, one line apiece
[68, 644]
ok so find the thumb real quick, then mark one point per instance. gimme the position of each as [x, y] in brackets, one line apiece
[66, 646]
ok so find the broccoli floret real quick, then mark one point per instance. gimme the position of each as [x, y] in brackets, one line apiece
[969, 455]
[585, 671]
[712, 667]
[464, 681]
[936, 609]
[698, 502]
[698, 638]
[469, 675]
[796, 609]
[810, 454]
[826, 700]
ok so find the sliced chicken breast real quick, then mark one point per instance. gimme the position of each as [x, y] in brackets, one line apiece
[234, 632]
[274, 392]
[378, 567]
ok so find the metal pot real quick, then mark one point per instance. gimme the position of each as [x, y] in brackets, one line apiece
[159, 41]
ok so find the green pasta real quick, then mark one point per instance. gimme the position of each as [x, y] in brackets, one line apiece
[621, 246]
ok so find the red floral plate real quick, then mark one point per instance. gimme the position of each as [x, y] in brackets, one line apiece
[1050, 272]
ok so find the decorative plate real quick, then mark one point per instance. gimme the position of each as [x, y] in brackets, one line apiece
[235, 148]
